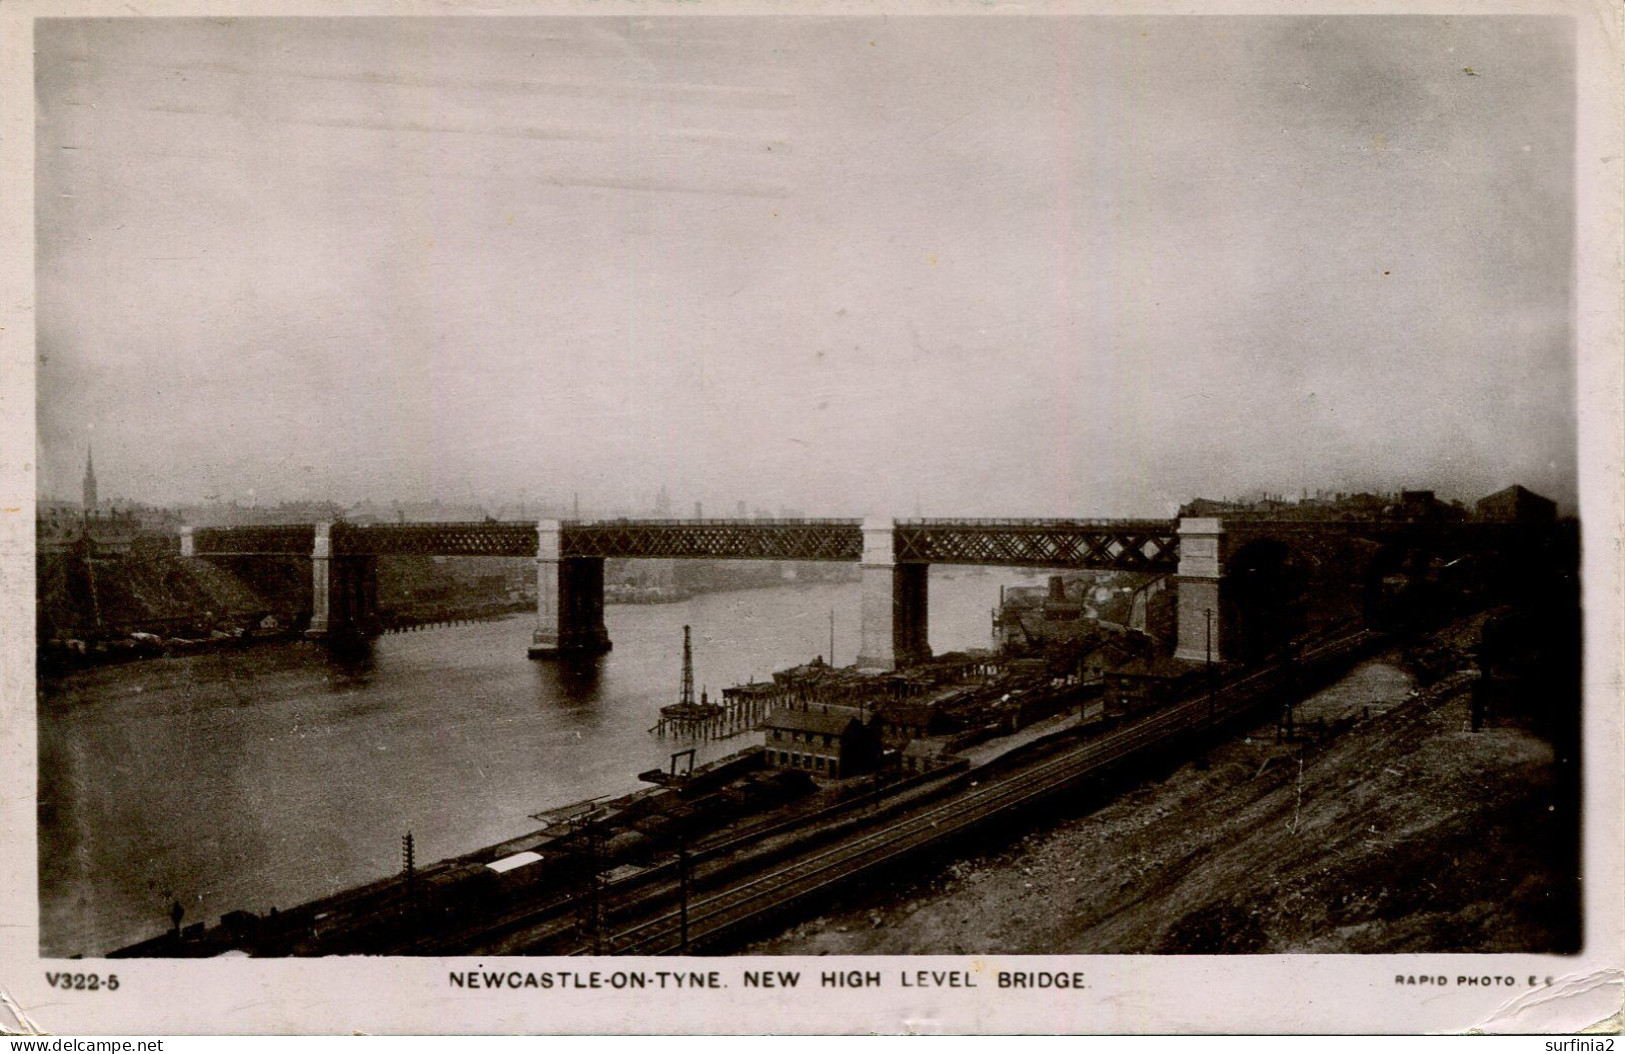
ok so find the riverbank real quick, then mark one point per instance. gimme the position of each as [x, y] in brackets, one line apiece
[278, 775]
[1399, 830]
[736, 807]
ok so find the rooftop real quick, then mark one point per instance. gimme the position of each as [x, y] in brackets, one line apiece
[1160, 667]
[829, 723]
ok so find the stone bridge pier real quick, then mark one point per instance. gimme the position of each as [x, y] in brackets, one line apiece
[895, 603]
[1202, 619]
[569, 599]
[344, 591]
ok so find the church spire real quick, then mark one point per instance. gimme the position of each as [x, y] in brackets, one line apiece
[90, 482]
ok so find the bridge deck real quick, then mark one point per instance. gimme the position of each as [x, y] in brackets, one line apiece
[1115, 545]
[1139, 545]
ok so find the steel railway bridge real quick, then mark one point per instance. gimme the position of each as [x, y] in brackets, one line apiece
[1212, 558]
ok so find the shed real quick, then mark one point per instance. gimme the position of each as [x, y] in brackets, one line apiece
[517, 860]
[1142, 683]
[923, 755]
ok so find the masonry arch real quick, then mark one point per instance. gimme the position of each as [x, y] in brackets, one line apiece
[1266, 592]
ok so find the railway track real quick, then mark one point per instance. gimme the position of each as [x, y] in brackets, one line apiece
[541, 921]
[817, 870]
[748, 901]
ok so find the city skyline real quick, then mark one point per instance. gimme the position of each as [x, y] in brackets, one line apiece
[657, 505]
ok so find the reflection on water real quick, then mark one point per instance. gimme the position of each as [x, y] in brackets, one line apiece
[352, 663]
[572, 679]
[248, 779]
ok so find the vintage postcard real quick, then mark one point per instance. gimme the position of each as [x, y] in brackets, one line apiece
[819, 518]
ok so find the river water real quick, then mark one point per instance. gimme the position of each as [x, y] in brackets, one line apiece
[276, 775]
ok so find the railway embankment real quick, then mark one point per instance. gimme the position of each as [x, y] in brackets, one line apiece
[1385, 825]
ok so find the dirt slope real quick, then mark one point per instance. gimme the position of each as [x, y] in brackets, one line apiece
[1403, 831]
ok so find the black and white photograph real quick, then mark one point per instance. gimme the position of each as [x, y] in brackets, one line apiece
[790, 491]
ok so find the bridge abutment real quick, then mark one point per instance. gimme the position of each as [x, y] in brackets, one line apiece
[895, 603]
[1202, 621]
[569, 600]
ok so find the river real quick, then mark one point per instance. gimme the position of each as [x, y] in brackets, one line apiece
[276, 775]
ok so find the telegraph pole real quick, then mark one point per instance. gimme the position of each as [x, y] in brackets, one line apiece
[589, 911]
[1208, 614]
[682, 894]
[1291, 687]
[682, 859]
[409, 869]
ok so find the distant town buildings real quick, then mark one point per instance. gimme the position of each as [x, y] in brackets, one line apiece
[110, 527]
[1517, 505]
[1328, 505]
[1514, 504]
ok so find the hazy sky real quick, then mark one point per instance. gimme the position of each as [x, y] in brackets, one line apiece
[982, 266]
